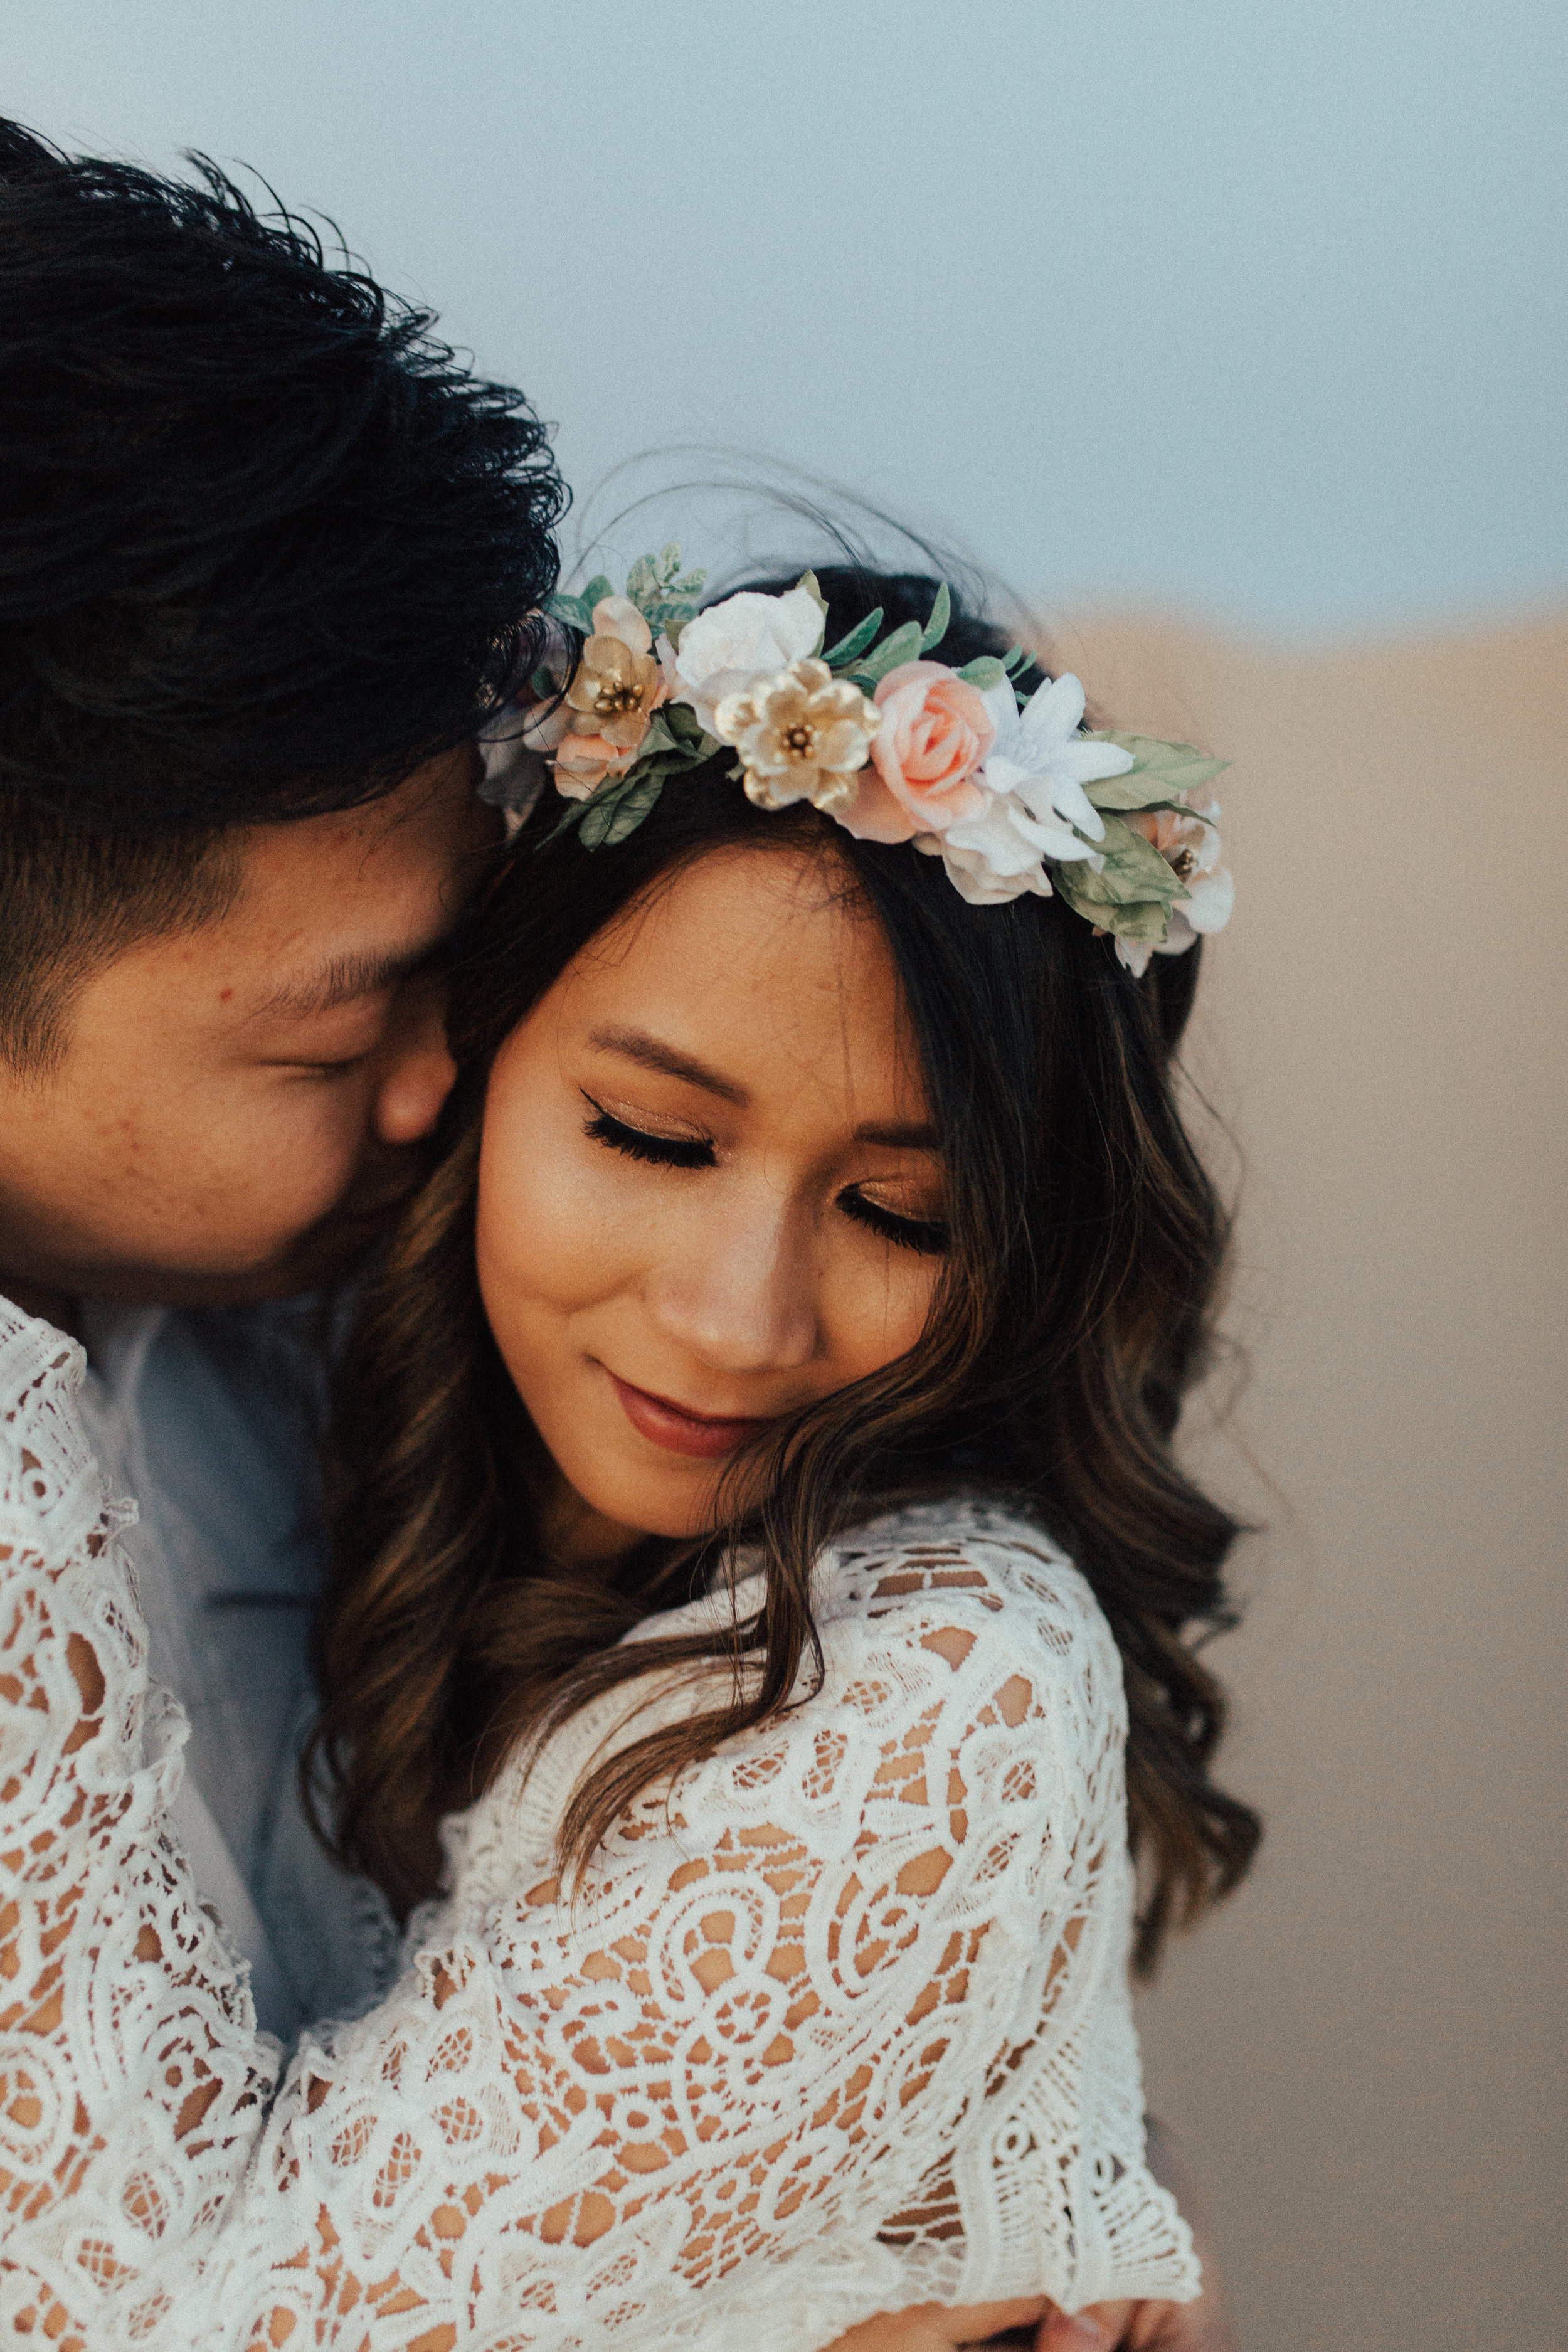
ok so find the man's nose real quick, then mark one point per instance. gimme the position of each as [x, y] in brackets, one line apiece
[417, 1070]
[741, 1298]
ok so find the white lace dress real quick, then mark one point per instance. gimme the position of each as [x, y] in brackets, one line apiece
[838, 2023]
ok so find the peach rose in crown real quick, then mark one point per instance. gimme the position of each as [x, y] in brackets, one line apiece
[935, 732]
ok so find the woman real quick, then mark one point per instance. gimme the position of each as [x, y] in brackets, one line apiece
[816, 1254]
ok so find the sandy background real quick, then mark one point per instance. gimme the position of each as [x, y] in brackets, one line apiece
[1369, 2044]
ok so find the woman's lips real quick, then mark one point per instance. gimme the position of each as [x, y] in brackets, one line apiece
[676, 1429]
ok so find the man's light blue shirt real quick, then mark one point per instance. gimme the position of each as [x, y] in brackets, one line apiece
[208, 1418]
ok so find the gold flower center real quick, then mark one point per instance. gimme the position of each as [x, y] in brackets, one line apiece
[610, 700]
[799, 740]
[1183, 864]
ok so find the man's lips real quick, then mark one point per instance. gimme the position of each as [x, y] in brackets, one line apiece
[677, 1430]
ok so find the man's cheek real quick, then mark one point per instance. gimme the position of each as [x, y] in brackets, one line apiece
[305, 1165]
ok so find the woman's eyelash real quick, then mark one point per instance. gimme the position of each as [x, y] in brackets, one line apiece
[656, 1150]
[924, 1234]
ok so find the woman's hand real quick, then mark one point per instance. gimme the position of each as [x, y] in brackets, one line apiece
[1203, 2326]
[940, 2328]
[1037, 2326]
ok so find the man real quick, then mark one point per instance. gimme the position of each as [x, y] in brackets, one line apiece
[267, 554]
[266, 558]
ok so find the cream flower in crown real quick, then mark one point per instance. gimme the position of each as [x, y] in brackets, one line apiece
[1014, 799]
[614, 692]
[801, 736]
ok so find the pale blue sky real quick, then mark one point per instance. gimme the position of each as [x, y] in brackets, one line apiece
[1247, 307]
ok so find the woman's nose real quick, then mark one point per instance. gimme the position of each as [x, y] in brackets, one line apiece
[417, 1070]
[741, 1297]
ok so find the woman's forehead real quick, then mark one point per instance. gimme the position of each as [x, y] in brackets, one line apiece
[748, 910]
[763, 967]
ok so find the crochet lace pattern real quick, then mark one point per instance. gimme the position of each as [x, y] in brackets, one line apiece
[837, 2023]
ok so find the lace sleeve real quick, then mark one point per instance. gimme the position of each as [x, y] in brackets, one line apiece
[133, 2084]
[832, 2024]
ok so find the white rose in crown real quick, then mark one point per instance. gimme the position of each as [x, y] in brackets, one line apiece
[724, 648]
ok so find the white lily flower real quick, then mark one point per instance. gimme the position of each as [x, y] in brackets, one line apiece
[1040, 757]
[998, 855]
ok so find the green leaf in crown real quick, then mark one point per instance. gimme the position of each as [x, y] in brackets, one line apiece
[1160, 774]
[666, 596]
[572, 610]
[609, 815]
[935, 628]
[674, 743]
[840, 655]
[1146, 919]
[606, 823]
[903, 646]
[1134, 891]
[908, 643]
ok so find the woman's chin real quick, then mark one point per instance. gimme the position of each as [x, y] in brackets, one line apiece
[635, 1468]
[643, 1511]
[605, 1506]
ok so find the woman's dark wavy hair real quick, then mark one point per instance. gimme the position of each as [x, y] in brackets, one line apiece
[1072, 1314]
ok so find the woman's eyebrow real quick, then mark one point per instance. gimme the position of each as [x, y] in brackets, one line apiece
[921, 1136]
[652, 1054]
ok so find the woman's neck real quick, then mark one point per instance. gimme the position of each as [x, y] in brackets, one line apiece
[585, 1546]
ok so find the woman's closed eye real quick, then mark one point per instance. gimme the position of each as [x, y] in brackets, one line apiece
[929, 1235]
[636, 1143]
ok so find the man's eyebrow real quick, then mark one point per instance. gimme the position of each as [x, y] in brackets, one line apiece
[346, 978]
[652, 1054]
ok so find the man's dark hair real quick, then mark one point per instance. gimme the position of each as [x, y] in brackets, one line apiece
[268, 546]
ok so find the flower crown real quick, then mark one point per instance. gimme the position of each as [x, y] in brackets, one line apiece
[891, 745]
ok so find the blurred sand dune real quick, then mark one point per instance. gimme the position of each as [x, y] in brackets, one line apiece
[1368, 2046]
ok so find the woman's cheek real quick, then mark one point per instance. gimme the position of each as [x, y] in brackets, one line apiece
[884, 1312]
[550, 1225]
